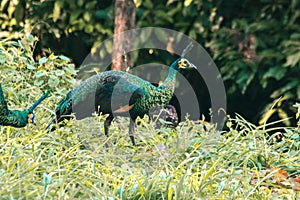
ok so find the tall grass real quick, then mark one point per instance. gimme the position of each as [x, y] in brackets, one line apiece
[79, 162]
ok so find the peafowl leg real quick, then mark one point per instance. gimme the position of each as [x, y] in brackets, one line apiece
[131, 130]
[107, 123]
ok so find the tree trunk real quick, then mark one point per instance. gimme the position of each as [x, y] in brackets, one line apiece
[124, 20]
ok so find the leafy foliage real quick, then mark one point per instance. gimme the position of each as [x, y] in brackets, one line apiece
[255, 44]
[79, 162]
[78, 25]
[259, 54]
[23, 79]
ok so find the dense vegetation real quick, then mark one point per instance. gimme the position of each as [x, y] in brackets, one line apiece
[78, 162]
[255, 44]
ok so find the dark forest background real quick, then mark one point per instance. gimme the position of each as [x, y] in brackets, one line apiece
[255, 44]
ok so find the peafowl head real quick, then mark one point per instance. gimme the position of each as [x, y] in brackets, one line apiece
[21, 118]
[27, 116]
[182, 64]
[30, 118]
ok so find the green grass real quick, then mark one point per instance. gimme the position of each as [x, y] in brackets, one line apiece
[79, 162]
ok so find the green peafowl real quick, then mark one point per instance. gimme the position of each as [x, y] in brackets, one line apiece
[118, 93]
[17, 118]
[170, 113]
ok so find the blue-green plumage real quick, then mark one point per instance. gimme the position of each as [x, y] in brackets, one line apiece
[17, 118]
[118, 93]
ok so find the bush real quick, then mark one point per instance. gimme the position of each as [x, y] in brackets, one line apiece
[23, 79]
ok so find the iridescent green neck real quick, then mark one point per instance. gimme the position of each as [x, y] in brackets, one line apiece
[169, 82]
[44, 96]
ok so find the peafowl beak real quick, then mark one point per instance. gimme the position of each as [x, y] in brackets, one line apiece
[192, 66]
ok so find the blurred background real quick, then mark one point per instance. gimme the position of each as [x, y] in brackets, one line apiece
[255, 44]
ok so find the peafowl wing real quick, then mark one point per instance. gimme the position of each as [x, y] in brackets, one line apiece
[105, 92]
[117, 93]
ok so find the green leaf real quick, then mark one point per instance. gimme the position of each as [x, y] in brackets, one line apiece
[89, 28]
[59, 72]
[38, 82]
[275, 72]
[281, 91]
[39, 74]
[19, 13]
[53, 81]
[80, 3]
[164, 16]
[137, 3]
[90, 5]
[148, 4]
[65, 58]
[283, 115]
[244, 79]
[295, 36]
[294, 136]
[70, 70]
[193, 34]
[31, 67]
[74, 15]
[2, 59]
[187, 2]
[87, 16]
[56, 10]
[292, 60]
[14, 43]
[43, 60]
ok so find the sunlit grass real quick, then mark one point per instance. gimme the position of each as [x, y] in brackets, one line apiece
[79, 162]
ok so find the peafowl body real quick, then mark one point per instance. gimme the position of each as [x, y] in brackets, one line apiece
[118, 93]
[17, 118]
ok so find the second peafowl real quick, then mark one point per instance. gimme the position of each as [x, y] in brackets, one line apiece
[118, 93]
[17, 118]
